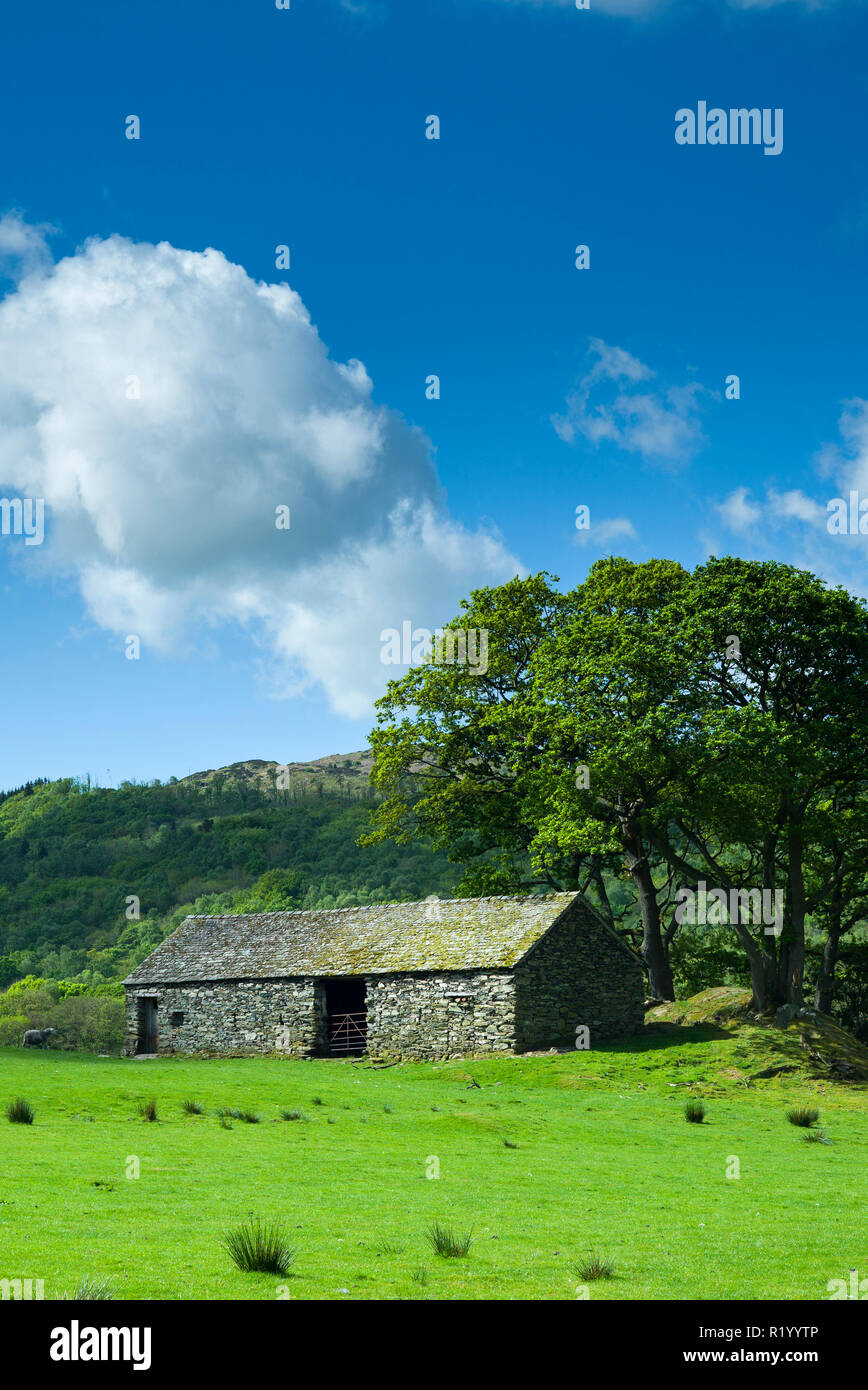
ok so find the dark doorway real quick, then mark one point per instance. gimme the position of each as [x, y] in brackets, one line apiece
[346, 1017]
[147, 1026]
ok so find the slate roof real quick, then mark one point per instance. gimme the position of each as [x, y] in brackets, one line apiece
[439, 935]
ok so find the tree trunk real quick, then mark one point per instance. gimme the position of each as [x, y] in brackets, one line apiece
[763, 971]
[596, 877]
[825, 991]
[653, 950]
[791, 977]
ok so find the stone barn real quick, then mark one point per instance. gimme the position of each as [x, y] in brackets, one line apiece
[429, 979]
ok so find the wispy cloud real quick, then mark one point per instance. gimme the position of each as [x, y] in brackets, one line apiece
[640, 8]
[611, 405]
[599, 533]
[741, 514]
[738, 512]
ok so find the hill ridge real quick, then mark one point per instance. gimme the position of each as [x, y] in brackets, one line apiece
[263, 772]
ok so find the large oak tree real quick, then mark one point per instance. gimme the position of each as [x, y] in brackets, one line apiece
[706, 727]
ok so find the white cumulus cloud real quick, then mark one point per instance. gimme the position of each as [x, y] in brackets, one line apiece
[164, 404]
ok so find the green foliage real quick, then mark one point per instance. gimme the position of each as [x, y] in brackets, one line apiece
[35, 1004]
[94, 1024]
[656, 726]
[704, 957]
[12, 1029]
[30, 982]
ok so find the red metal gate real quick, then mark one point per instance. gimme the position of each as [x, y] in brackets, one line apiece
[348, 1032]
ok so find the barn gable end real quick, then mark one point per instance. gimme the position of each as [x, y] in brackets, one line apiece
[579, 973]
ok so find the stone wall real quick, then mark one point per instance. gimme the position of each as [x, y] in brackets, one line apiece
[579, 973]
[441, 1015]
[232, 1017]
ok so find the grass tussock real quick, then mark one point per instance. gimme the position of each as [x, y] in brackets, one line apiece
[20, 1112]
[192, 1107]
[804, 1116]
[816, 1136]
[91, 1288]
[148, 1111]
[260, 1247]
[594, 1267]
[293, 1115]
[444, 1241]
[694, 1112]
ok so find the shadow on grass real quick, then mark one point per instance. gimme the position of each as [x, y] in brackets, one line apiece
[657, 1035]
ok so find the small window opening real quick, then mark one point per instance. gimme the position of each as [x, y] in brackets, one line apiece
[176, 1018]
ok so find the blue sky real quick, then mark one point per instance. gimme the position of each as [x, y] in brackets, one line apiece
[559, 387]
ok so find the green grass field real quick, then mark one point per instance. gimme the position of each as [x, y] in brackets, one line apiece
[604, 1160]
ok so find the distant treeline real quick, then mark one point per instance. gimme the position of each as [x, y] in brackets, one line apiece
[91, 879]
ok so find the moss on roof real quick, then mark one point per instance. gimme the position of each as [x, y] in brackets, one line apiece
[435, 935]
